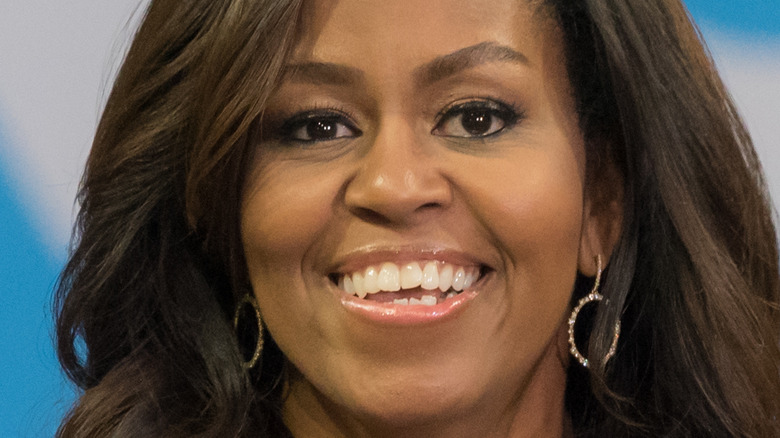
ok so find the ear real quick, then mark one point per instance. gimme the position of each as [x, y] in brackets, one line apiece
[602, 219]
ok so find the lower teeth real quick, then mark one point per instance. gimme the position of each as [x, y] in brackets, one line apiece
[426, 300]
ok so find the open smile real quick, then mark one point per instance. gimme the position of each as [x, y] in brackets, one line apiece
[424, 283]
[409, 292]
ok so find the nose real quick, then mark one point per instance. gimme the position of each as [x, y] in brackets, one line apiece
[398, 181]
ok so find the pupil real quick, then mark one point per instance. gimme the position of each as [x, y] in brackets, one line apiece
[476, 122]
[321, 129]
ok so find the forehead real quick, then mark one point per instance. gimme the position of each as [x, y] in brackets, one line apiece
[399, 31]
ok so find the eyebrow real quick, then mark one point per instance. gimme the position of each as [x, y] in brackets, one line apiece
[468, 57]
[323, 73]
[442, 67]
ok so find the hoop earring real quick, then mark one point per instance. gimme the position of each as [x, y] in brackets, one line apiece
[594, 295]
[250, 300]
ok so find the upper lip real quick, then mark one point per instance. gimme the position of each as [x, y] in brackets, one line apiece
[364, 257]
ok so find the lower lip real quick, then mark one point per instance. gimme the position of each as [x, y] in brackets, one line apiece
[399, 314]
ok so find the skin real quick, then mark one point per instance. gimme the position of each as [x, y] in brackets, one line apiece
[515, 200]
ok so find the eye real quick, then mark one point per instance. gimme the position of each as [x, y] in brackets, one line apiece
[475, 119]
[317, 126]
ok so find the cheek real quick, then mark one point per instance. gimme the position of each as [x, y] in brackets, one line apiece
[532, 203]
[531, 206]
[284, 212]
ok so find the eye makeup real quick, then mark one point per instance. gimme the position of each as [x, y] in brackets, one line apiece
[318, 125]
[477, 117]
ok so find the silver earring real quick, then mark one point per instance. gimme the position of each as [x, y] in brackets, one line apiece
[250, 300]
[594, 295]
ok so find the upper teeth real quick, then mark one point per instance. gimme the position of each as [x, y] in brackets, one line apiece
[389, 277]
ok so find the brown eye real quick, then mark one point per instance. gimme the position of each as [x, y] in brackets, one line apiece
[475, 119]
[477, 122]
[322, 130]
[313, 127]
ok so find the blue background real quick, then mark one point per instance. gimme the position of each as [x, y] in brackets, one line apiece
[755, 18]
[33, 393]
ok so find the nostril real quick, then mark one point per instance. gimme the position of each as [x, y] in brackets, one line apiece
[371, 216]
[429, 206]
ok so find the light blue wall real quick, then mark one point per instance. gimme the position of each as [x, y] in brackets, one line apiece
[34, 394]
[752, 17]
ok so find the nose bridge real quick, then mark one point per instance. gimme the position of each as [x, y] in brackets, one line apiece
[397, 178]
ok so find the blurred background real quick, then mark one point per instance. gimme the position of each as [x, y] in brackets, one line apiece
[57, 60]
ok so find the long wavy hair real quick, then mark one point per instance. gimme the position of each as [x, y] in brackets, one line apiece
[145, 303]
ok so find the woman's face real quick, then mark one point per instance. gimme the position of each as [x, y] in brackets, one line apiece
[429, 150]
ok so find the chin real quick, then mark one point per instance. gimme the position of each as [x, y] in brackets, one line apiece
[402, 396]
[406, 403]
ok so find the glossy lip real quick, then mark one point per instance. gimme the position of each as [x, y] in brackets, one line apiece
[399, 314]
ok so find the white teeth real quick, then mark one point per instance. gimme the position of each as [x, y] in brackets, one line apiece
[371, 280]
[469, 280]
[358, 283]
[459, 279]
[430, 280]
[428, 300]
[411, 275]
[445, 278]
[389, 278]
[348, 286]
[452, 294]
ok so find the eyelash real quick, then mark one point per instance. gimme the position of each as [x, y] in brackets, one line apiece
[330, 117]
[325, 115]
[508, 114]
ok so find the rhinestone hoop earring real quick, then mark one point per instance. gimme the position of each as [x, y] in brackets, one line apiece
[594, 295]
[250, 300]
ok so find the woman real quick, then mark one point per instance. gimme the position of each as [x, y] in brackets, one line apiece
[415, 198]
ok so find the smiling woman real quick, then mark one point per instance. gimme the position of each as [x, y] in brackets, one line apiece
[456, 159]
[410, 198]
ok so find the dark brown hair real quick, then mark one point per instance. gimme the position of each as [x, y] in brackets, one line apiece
[157, 263]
